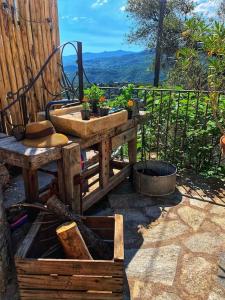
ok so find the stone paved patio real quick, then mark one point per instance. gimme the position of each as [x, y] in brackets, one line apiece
[174, 247]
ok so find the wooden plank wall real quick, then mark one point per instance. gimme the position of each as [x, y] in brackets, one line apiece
[29, 33]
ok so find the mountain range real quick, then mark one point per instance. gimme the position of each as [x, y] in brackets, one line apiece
[114, 66]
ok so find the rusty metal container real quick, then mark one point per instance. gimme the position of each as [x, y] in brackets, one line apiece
[154, 178]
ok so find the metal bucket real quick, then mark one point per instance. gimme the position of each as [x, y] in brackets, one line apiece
[155, 178]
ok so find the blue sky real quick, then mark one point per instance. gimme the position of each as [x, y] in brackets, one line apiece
[102, 24]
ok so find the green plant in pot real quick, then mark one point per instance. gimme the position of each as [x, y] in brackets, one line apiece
[94, 93]
[103, 107]
[85, 112]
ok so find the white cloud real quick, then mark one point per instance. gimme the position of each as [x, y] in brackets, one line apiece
[99, 3]
[79, 18]
[74, 18]
[122, 8]
[65, 17]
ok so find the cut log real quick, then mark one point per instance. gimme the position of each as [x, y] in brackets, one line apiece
[5, 247]
[98, 248]
[72, 241]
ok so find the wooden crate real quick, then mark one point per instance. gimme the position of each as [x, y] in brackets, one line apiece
[53, 278]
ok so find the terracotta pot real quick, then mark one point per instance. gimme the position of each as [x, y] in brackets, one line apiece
[103, 111]
[85, 114]
[222, 143]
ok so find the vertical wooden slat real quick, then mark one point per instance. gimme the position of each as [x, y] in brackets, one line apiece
[24, 46]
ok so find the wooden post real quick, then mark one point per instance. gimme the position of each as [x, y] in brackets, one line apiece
[31, 185]
[72, 241]
[71, 167]
[132, 150]
[5, 255]
[104, 160]
[61, 182]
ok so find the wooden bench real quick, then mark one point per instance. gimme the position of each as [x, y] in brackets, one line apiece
[68, 160]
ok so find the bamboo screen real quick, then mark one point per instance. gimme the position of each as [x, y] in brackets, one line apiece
[28, 34]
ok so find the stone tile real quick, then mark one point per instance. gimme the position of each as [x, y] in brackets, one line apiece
[217, 293]
[221, 270]
[164, 230]
[15, 192]
[153, 212]
[130, 200]
[132, 238]
[219, 220]
[123, 188]
[135, 216]
[166, 296]
[191, 216]
[214, 296]
[141, 290]
[199, 203]
[154, 264]
[105, 212]
[216, 209]
[196, 275]
[207, 242]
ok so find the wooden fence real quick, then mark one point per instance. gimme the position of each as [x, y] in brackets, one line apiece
[29, 33]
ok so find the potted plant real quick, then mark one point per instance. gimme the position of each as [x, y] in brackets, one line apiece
[130, 108]
[94, 93]
[103, 107]
[85, 112]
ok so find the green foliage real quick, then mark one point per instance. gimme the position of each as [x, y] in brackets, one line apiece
[85, 105]
[94, 93]
[126, 94]
[181, 130]
[200, 63]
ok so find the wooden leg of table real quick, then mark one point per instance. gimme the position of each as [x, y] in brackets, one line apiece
[104, 161]
[132, 150]
[30, 178]
[61, 183]
[72, 168]
[132, 153]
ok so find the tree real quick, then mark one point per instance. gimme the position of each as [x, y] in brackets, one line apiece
[221, 10]
[203, 51]
[145, 17]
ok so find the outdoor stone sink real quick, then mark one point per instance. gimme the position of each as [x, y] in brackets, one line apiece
[69, 121]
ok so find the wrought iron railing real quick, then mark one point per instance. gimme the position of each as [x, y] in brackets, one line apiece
[180, 129]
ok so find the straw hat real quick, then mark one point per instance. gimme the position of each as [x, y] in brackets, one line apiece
[42, 135]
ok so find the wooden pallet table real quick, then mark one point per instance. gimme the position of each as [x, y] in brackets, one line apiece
[105, 142]
[68, 159]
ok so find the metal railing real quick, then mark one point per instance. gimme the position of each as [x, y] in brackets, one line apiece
[180, 129]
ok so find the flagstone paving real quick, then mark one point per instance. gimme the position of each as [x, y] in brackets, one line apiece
[174, 247]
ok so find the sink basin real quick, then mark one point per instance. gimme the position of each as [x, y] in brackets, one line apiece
[69, 121]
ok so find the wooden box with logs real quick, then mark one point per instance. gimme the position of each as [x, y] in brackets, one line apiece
[43, 273]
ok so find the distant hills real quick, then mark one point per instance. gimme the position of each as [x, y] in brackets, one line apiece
[114, 66]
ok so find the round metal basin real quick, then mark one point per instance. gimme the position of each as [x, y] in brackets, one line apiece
[155, 178]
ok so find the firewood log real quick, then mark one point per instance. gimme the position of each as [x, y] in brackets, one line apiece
[97, 247]
[72, 241]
